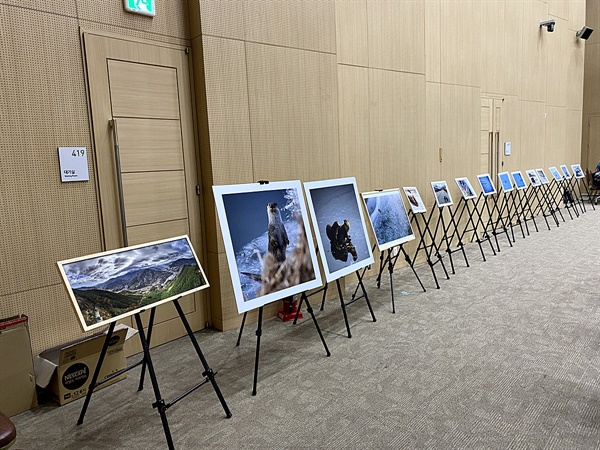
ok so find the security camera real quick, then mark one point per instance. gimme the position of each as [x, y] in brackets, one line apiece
[584, 33]
[548, 24]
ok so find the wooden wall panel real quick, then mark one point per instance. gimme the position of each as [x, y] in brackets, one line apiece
[556, 133]
[591, 99]
[353, 101]
[577, 14]
[221, 18]
[461, 43]
[513, 47]
[533, 134]
[228, 114]
[42, 219]
[534, 58]
[573, 138]
[592, 19]
[559, 9]
[575, 73]
[433, 39]
[493, 51]
[427, 164]
[556, 72]
[395, 35]
[351, 32]
[397, 126]
[460, 133]
[293, 23]
[62, 7]
[293, 113]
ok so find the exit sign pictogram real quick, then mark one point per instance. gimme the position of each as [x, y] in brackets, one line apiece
[145, 7]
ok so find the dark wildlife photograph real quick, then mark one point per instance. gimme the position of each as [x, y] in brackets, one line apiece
[465, 188]
[533, 178]
[442, 195]
[266, 239]
[337, 216]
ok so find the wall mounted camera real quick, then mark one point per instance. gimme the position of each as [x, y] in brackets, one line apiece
[549, 24]
[584, 33]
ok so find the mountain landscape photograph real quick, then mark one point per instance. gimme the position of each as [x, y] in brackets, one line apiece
[113, 285]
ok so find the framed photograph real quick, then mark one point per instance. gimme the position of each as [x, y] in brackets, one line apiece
[112, 285]
[269, 246]
[519, 180]
[415, 201]
[441, 193]
[339, 224]
[556, 174]
[577, 171]
[533, 178]
[466, 188]
[388, 218]
[487, 186]
[505, 181]
[565, 172]
[542, 176]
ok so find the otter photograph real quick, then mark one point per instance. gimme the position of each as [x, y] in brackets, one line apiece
[519, 180]
[388, 218]
[340, 227]
[414, 200]
[267, 239]
[109, 286]
[441, 193]
[465, 188]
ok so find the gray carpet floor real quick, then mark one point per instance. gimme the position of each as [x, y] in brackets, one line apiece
[504, 355]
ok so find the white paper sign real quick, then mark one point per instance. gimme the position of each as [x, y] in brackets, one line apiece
[73, 164]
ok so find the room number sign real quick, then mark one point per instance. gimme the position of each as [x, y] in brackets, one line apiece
[73, 164]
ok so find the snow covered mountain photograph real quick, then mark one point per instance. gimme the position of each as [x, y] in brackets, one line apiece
[388, 218]
[109, 286]
[442, 193]
[340, 227]
[270, 250]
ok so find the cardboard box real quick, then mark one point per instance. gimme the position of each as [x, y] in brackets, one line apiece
[67, 370]
[17, 378]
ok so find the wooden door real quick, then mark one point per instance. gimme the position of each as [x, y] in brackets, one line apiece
[491, 149]
[145, 155]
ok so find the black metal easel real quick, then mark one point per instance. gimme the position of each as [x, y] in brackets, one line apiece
[557, 192]
[540, 204]
[550, 202]
[448, 237]
[430, 249]
[571, 183]
[146, 362]
[303, 298]
[524, 208]
[494, 224]
[505, 213]
[472, 225]
[390, 260]
[353, 299]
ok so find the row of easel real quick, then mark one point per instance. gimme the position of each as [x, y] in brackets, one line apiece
[442, 232]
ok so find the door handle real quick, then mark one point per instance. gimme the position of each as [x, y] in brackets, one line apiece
[115, 132]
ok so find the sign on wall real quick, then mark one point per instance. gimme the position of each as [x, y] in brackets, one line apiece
[73, 164]
[145, 7]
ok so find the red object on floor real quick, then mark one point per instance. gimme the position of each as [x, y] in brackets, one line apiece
[8, 432]
[290, 308]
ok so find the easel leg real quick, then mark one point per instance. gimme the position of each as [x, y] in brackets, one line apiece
[237, 344]
[391, 271]
[312, 314]
[150, 326]
[299, 309]
[258, 335]
[208, 372]
[339, 288]
[111, 328]
[364, 293]
[412, 266]
[160, 403]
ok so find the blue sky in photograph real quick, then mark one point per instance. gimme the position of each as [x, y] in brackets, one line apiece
[486, 184]
[247, 214]
[94, 271]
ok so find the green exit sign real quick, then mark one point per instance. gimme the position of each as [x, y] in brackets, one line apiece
[145, 7]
